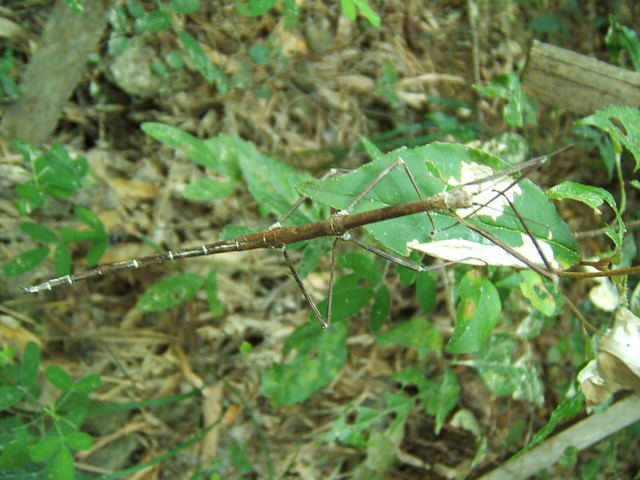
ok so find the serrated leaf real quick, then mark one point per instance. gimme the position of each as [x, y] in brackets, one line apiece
[321, 356]
[30, 366]
[593, 197]
[170, 292]
[38, 232]
[622, 124]
[417, 333]
[26, 261]
[59, 377]
[478, 313]
[442, 398]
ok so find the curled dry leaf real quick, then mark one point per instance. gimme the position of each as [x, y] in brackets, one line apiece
[617, 366]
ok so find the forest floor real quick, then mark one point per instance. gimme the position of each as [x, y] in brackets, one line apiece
[320, 84]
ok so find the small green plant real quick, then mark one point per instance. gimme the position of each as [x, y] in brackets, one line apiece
[39, 439]
[56, 176]
[520, 109]
[8, 85]
[623, 44]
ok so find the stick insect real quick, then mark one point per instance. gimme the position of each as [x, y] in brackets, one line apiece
[435, 195]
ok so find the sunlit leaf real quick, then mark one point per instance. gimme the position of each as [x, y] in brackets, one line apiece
[417, 333]
[478, 312]
[320, 356]
[25, 261]
[170, 292]
[442, 398]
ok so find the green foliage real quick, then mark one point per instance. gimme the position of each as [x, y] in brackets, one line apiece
[623, 42]
[38, 439]
[56, 176]
[519, 109]
[8, 86]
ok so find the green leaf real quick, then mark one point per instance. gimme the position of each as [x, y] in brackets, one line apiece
[207, 190]
[59, 377]
[69, 235]
[79, 441]
[155, 21]
[368, 12]
[478, 313]
[436, 168]
[620, 40]
[272, 184]
[346, 302]
[32, 195]
[348, 8]
[426, 290]
[593, 197]
[504, 375]
[170, 292]
[442, 398]
[320, 357]
[89, 218]
[518, 108]
[312, 255]
[26, 261]
[211, 288]
[97, 249]
[88, 384]
[38, 232]
[201, 60]
[565, 411]
[194, 148]
[361, 265]
[258, 7]
[380, 309]
[544, 295]
[10, 396]
[61, 467]
[45, 448]
[417, 333]
[30, 365]
[184, 6]
[622, 124]
[62, 260]
[381, 451]
[260, 53]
